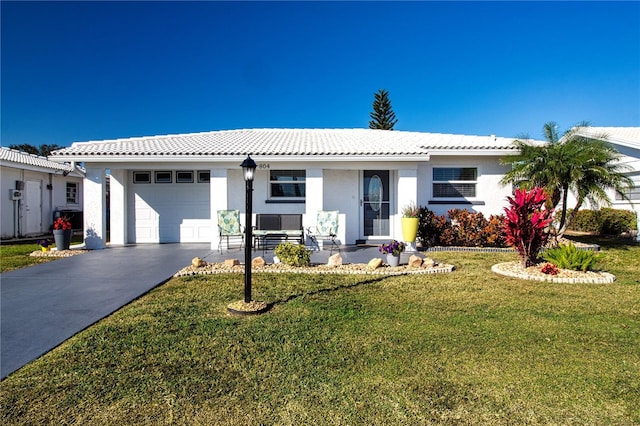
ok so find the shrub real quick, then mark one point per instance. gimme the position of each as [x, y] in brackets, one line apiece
[293, 254]
[460, 228]
[605, 221]
[615, 222]
[567, 256]
[494, 232]
[467, 228]
[526, 223]
[585, 221]
[430, 227]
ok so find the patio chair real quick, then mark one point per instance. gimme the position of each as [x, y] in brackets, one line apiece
[326, 229]
[229, 227]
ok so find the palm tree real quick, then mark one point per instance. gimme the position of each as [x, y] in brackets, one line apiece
[584, 166]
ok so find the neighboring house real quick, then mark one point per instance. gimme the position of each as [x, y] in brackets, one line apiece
[169, 188]
[33, 189]
[627, 141]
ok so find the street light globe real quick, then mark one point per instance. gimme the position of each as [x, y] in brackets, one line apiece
[248, 167]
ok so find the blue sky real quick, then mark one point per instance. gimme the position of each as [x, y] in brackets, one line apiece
[82, 71]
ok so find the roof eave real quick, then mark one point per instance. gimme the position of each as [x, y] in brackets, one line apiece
[237, 157]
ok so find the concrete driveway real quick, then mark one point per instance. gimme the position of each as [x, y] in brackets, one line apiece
[43, 305]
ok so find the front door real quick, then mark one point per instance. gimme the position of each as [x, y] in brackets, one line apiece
[375, 204]
[32, 208]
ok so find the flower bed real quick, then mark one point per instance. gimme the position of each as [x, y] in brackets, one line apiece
[353, 268]
[534, 273]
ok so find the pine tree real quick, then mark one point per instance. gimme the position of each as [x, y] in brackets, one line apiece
[382, 116]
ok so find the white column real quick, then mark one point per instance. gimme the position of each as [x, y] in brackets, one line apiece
[118, 207]
[218, 187]
[314, 200]
[407, 194]
[95, 224]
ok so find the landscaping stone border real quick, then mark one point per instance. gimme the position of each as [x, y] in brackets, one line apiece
[354, 269]
[515, 270]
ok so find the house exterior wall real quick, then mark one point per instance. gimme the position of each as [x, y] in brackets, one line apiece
[330, 186]
[490, 193]
[13, 215]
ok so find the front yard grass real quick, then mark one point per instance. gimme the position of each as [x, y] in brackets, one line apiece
[16, 256]
[463, 348]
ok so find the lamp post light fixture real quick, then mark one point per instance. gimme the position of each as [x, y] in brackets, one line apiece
[248, 168]
[248, 306]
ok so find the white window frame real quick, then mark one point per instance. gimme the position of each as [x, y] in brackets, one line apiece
[72, 192]
[454, 182]
[302, 183]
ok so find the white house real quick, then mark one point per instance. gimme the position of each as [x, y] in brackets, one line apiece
[33, 189]
[169, 188]
[627, 141]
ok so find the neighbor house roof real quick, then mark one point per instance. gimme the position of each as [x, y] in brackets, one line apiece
[307, 143]
[627, 136]
[22, 159]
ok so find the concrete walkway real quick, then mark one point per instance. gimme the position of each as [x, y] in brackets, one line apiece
[43, 305]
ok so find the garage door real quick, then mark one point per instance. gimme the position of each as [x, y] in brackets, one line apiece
[164, 211]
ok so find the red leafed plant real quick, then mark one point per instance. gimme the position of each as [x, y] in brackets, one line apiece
[549, 269]
[62, 223]
[526, 223]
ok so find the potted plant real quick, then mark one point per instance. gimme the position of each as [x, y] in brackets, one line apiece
[44, 244]
[392, 251]
[410, 221]
[62, 233]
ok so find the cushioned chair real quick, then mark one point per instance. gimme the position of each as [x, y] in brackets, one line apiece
[326, 229]
[229, 227]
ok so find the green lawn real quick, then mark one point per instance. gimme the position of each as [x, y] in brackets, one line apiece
[464, 348]
[16, 256]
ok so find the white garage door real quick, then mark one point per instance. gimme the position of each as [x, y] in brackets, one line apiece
[169, 212]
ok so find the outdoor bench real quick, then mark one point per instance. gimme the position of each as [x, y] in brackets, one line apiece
[273, 229]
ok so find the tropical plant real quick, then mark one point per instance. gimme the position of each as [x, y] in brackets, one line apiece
[460, 228]
[382, 116]
[293, 254]
[584, 166]
[567, 256]
[549, 269]
[526, 223]
[394, 247]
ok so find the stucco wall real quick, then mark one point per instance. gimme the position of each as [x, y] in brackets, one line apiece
[490, 194]
[48, 200]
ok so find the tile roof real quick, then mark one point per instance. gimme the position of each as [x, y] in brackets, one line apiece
[285, 142]
[23, 158]
[628, 136]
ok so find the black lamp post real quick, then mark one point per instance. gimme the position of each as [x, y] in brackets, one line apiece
[248, 169]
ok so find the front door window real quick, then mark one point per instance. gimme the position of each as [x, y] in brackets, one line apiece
[375, 203]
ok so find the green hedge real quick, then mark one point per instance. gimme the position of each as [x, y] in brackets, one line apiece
[605, 221]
